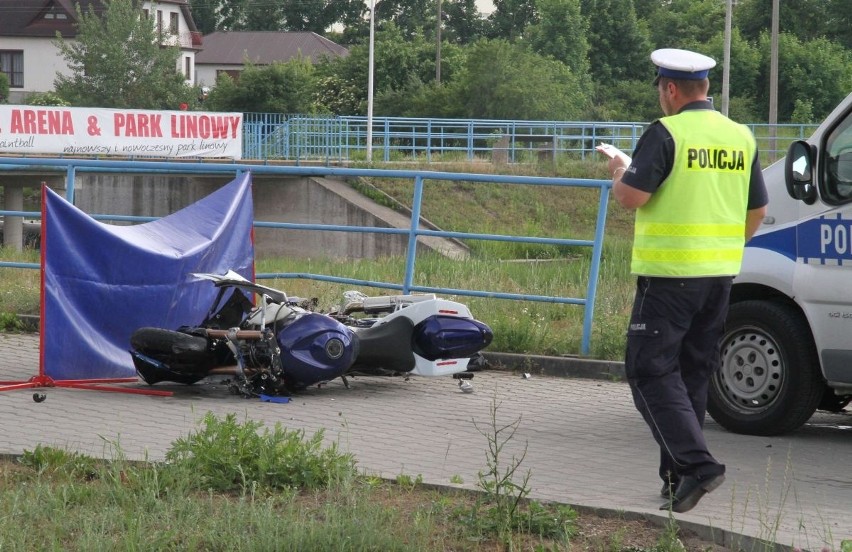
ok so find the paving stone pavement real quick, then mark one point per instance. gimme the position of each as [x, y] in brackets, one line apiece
[585, 443]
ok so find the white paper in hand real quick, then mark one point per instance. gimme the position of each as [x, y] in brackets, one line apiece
[612, 152]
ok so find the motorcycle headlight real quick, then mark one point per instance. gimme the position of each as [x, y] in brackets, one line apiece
[334, 348]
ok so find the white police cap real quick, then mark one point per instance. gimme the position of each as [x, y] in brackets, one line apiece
[681, 64]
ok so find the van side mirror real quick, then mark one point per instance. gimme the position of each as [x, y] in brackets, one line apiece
[798, 172]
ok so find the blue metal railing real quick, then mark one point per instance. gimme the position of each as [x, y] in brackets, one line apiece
[72, 167]
[331, 139]
[271, 136]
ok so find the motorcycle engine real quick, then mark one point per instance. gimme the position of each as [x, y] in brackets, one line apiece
[256, 354]
[263, 366]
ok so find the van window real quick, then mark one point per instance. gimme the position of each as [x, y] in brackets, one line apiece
[837, 168]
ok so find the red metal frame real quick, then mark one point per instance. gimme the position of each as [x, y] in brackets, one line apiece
[91, 384]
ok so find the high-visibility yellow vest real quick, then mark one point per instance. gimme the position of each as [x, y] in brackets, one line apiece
[694, 223]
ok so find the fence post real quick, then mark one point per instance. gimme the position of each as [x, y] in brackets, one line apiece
[69, 184]
[412, 235]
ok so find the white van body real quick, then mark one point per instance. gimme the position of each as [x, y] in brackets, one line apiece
[787, 348]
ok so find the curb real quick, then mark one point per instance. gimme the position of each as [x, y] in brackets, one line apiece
[564, 366]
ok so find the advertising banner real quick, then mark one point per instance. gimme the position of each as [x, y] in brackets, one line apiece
[123, 132]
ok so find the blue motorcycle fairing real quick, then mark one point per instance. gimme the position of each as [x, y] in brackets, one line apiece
[440, 337]
[315, 348]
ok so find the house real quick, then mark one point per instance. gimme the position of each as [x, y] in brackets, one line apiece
[228, 51]
[29, 57]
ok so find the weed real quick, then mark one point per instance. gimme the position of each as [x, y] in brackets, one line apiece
[50, 460]
[669, 540]
[9, 322]
[407, 482]
[227, 455]
[503, 509]
[498, 481]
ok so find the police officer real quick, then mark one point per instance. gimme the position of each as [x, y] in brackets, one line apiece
[696, 185]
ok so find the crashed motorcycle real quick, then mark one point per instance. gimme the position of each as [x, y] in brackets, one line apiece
[282, 344]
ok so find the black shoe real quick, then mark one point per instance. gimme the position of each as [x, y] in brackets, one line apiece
[666, 491]
[690, 490]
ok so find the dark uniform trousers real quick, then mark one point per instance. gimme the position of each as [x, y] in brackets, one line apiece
[672, 350]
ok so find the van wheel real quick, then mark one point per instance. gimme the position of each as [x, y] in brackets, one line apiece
[769, 382]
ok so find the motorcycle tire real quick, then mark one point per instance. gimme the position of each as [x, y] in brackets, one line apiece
[181, 351]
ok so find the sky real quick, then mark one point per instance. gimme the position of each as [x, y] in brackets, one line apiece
[485, 6]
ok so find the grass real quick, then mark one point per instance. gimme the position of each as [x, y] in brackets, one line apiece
[233, 485]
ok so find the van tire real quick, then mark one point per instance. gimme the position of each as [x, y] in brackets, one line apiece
[769, 382]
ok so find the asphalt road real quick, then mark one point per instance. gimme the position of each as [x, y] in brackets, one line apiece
[584, 443]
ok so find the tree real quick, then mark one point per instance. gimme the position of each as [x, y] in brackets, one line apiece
[805, 19]
[818, 71]
[421, 96]
[4, 87]
[510, 18]
[229, 14]
[276, 88]
[335, 95]
[619, 46]
[627, 100]
[263, 15]
[117, 61]
[463, 23]
[837, 28]
[561, 33]
[341, 83]
[204, 14]
[745, 77]
[314, 15]
[320, 15]
[236, 15]
[411, 17]
[398, 64]
[504, 80]
[679, 21]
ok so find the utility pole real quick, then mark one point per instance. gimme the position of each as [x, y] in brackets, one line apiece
[438, 47]
[370, 63]
[726, 69]
[773, 79]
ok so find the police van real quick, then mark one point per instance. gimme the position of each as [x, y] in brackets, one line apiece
[787, 347]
